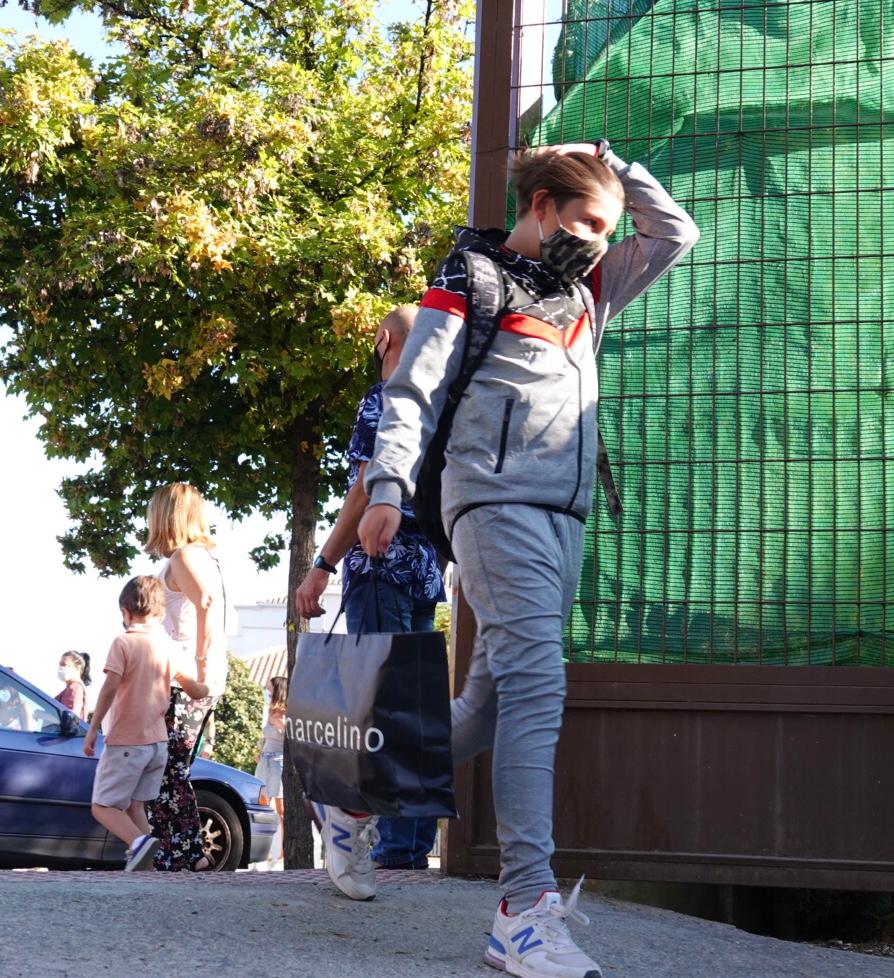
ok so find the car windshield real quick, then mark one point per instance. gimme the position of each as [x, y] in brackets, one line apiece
[19, 710]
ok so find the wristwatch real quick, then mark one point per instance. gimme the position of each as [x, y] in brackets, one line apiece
[324, 564]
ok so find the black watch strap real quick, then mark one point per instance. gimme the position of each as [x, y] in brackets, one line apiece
[324, 564]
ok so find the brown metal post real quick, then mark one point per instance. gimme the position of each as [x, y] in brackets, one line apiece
[491, 122]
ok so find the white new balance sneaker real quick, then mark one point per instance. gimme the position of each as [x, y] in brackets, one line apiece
[348, 842]
[536, 942]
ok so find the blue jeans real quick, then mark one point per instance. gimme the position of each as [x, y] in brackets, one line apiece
[403, 840]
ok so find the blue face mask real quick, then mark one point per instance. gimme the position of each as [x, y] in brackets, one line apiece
[5, 695]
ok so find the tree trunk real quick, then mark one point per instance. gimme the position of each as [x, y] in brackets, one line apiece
[298, 848]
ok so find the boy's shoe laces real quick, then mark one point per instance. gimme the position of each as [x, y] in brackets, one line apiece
[364, 841]
[552, 921]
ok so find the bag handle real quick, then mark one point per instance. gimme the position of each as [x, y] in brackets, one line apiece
[372, 595]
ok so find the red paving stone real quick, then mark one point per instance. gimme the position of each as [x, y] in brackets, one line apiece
[290, 877]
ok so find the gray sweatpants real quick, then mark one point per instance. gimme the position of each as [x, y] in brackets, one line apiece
[519, 567]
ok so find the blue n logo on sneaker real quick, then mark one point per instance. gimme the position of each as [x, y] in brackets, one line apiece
[524, 937]
[338, 837]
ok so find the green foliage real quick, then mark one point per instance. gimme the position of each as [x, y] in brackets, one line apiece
[198, 236]
[237, 718]
[444, 619]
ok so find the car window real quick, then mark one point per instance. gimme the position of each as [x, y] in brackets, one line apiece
[19, 710]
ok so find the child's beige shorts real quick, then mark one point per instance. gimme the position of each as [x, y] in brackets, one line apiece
[126, 774]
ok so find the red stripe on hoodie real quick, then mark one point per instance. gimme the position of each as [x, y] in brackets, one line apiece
[445, 301]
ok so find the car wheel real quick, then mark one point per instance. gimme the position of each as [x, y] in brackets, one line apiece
[222, 836]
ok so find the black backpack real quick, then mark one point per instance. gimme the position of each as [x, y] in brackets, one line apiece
[486, 307]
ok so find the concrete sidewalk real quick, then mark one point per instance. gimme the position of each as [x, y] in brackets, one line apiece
[293, 924]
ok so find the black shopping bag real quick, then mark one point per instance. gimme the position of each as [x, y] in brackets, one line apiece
[368, 722]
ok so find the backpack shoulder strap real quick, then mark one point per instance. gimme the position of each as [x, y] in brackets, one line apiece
[590, 307]
[603, 465]
[486, 302]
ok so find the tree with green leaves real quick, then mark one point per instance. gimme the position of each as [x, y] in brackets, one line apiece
[198, 237]
[238, 718]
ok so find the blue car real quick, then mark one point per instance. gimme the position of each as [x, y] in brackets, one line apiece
[46, 784]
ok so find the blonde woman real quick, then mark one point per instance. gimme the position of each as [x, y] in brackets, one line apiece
[194, 617]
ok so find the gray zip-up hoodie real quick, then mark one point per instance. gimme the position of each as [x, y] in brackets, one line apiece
[525, 429]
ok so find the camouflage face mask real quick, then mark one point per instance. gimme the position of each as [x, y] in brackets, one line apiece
[569, 257]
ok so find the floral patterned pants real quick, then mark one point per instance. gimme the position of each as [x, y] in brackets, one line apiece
[174, 815]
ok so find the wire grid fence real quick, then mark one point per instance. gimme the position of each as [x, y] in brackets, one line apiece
[745, 399]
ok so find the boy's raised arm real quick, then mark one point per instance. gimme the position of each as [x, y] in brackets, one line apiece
[663, 234]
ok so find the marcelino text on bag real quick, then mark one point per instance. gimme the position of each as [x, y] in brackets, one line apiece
[340, 733]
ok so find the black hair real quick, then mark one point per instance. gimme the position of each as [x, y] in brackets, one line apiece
[81, 661]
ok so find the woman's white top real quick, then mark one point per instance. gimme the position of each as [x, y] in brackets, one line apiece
[181, 624]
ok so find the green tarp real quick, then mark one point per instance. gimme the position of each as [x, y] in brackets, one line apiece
[747, 399]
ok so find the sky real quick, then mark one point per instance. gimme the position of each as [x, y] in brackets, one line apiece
[46, 609]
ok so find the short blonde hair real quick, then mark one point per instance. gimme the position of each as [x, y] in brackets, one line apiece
[176, 518]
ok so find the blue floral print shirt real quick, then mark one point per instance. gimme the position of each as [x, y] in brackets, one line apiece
[410, 563]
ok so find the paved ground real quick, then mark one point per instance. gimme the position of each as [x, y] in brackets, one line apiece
[293, 924]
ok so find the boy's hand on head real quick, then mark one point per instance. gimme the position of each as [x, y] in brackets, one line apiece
[90, 743]
[377, 528]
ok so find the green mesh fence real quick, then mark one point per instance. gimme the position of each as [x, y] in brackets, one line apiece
[746, 399]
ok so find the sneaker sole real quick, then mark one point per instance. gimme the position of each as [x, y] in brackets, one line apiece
[372, 896]
[494, 962]
[145, 859]
[520, 971]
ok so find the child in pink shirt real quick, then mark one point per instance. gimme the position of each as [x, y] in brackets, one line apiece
[134, 699]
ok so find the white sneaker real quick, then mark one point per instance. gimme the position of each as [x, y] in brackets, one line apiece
[536, 942]
[348, 842]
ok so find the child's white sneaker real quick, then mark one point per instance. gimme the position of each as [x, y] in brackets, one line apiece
[349, 842]
[536, 943]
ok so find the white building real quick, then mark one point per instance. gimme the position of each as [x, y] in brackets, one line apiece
[262, 625]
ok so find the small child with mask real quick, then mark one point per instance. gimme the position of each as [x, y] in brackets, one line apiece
[139, 669]
[74, 671]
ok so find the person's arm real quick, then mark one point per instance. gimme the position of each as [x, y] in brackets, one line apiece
[192, 576]
[183, 672]
[663, 234]
[194, 690]
[80, 701]
[103, 703]
[338, 543]
[414, 398]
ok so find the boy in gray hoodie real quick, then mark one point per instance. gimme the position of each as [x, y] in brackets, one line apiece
[517, 486]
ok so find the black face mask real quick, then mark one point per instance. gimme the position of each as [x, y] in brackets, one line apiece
[569, 257]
